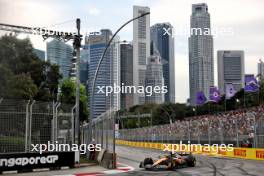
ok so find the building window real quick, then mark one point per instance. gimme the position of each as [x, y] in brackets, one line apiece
[141, 53]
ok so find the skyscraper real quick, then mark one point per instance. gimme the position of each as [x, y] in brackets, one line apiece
[126, 67]
[201, 62]
[231, 69]
[40, 54]
[154, 78]
[115, 71]
[61, 54]
[141, 50]
[108, 74]
[84, 63]
[261, 68]
[164, 44]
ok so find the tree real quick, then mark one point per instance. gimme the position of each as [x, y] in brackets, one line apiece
[5, 77]
[22, 87]
[67, 95]
[23, 74]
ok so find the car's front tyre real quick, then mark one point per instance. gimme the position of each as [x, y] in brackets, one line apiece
[148, 161]
[191, 162]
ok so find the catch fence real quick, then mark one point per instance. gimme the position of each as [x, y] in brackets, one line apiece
[24, 122]
[103, 131]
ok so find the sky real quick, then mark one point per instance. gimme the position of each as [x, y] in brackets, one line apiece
[244, 17]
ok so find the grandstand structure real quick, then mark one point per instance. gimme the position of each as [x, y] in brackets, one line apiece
[233, 127]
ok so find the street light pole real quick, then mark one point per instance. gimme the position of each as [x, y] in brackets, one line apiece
[77, 46]
[97, 69]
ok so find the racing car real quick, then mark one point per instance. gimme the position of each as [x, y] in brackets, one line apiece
[169, 162]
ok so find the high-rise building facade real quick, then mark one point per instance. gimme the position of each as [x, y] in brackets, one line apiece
[164, 44]
[261, 68]
[40, 54]
[201, 62]
[115, 71]
[154, 78]
[141, 50]
[60, 54]
[231, 69]
[84, 63]
[126, 68]
[108, 74]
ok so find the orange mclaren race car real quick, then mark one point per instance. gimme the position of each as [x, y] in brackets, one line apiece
[169, 162]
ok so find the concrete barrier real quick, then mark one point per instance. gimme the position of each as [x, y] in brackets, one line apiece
[106, 159]
[100, 156]
[109, 160]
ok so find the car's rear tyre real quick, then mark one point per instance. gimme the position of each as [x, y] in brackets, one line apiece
[141, 165]
[148, 161]
[174, 166]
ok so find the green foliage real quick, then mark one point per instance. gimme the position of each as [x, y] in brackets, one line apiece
[142, 109]
[67, 95]
[68, 91]
[23, 75]
[22, 86]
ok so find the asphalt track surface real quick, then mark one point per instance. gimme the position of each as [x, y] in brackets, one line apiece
[205, 165]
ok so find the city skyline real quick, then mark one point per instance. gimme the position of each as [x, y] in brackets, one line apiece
[126, 73]
[60, 54]
[201, 57]
[141, 50]
[164, 44]
[154, 78]
[223, 14]
[96, 45]
[261, 68]
[231, 69]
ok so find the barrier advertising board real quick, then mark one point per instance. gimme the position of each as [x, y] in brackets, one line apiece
[29, 161]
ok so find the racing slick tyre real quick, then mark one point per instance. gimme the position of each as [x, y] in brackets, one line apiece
[148, 161]
[191, 162]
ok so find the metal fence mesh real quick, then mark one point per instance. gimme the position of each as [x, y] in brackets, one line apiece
[12, 125]
[103, 131]
[24, 122]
